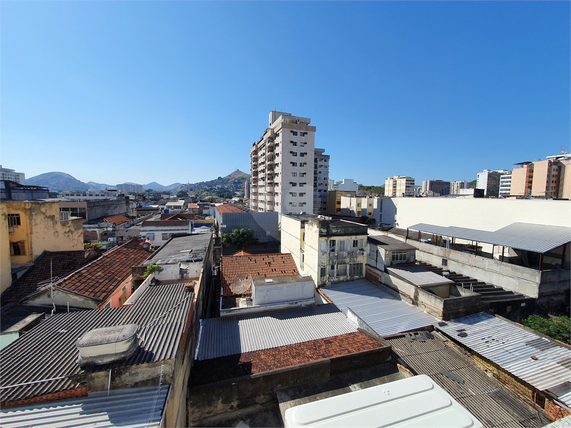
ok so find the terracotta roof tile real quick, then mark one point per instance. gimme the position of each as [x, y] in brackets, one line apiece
[214, 370]
[192, 206]
[237, 268]
[117, 219]
[99, 279]
[229, 209]
[56, 263]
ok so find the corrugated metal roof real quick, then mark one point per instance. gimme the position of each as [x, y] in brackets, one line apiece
[512, 348]
[538, 238]
[485, 397]
[125, 408]
[48, 351]
[419, 276]
[220, 337]
[382, 311]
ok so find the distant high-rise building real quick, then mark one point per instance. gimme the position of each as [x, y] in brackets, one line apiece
[282, 163]
[12, 175]
[439, 187]
[549, 178]
[457, 186]
[398, 186]
[246, 190]
[130, 188]
[320, 181]
[489, 181]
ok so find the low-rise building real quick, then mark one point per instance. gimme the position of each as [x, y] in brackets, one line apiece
[263, 224]
[12, 175]
[328, 250]
[505, 185]
[34, 227]
[157, 232]
[103, 283]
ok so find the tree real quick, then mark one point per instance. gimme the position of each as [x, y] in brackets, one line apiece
[152, 269]
[181, 194]
[558, 328]
[241, 238]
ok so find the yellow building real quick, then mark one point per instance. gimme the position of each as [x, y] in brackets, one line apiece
[334, 200]
[32, 228]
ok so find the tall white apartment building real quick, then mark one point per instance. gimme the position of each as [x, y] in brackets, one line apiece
[457, 186]
[12, 175]
[489, 181]
[398, 186]
[284, 178]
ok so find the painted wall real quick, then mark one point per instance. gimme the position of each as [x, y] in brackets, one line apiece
[5, 262]
[41, 229]
[263, 294]
[119, 296]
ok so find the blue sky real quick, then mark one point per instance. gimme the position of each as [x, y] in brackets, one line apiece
[178, 91]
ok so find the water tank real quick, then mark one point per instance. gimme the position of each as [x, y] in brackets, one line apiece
[107, 345]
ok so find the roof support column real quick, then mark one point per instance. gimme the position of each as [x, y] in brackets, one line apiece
[540, 262]
[563, 256]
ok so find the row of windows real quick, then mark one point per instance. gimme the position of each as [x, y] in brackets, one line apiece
[301, 154]
[301, 164]
[301, 144]
[301, 134]
[301, 174]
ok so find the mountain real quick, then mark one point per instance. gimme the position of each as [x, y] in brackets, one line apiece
[159, 187]
[57, 182]
[60, 181]
[99, 186]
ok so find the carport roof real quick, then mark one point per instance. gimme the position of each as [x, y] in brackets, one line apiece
[538, 238]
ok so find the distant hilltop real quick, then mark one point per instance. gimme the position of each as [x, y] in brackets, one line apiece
[60, 181]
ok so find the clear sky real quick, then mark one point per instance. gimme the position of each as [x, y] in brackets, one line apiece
[178, 91]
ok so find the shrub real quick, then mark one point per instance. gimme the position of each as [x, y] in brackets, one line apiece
[558, 328]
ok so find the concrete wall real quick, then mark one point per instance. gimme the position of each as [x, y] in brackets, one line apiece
[518, 279]
[442, 308]
[267, 293]
[61, 298]
[264, 225]
[107, 208]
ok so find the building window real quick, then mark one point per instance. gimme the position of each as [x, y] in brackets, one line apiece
[293, 193]
[293, 163]
[13, 219]
[293, 153]
[302, 163]
[302, 194]
[302, 174]
[293, 132]
[294, 174]
[301, 144]
[302, 154]
[18, 248]
[332, 244]
[293, 184]
[356, 269]
[342, 270]
[322, 272]
[303, 134]
[301, 184]
[166, 236]
[293, 143]
[355, 243]
[396, 257]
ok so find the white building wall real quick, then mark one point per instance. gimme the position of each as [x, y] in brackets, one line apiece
[478, 213]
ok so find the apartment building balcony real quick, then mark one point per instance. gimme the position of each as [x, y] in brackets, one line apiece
[343, 257]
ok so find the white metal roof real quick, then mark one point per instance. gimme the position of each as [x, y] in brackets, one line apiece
[538, 238]
[224, 336]
[419, 276]
[382, 311]
[125, 408]
[532, 358]
[414, 402]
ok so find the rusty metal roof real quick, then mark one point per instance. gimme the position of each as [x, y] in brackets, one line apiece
[542, 363]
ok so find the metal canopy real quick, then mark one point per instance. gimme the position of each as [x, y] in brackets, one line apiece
[538, 238]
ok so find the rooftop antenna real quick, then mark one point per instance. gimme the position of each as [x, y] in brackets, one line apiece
[52, 286]
[562, 151]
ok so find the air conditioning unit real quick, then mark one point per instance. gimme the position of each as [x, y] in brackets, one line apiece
[362, 253]
[11, 229]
